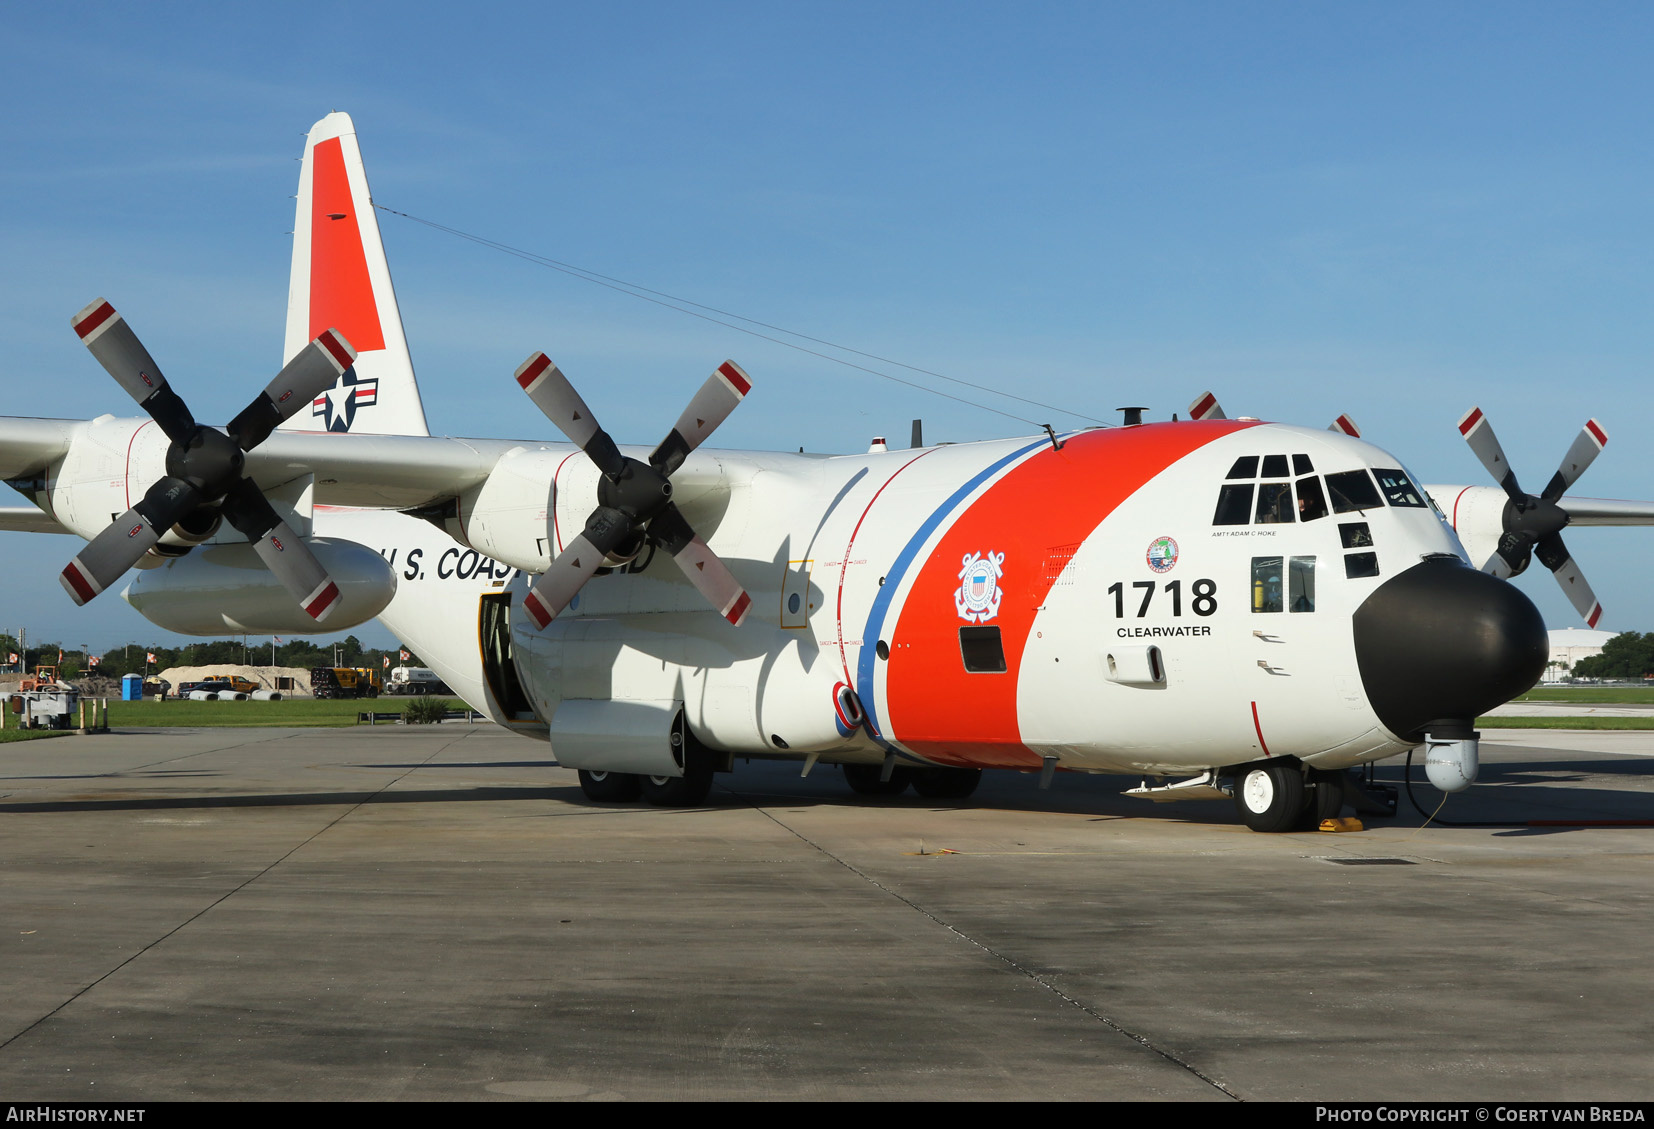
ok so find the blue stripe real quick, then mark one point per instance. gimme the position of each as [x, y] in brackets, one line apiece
[904, 560]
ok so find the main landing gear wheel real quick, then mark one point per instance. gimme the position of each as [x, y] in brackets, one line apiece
[1271, 797]
[1326, 797]
[864, 780]
[946, 783]
[610, 787]
[686, 791]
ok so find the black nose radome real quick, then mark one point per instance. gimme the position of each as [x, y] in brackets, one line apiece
[1443, 643]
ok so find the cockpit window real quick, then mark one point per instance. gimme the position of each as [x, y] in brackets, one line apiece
[1301, 585]
[1274, 466]
[1399, 488]
[1302, 465]
[1266, 584]
[1245, 467]
[1352, 490]
[1274, 503]
[1355, 534]
[1311, 502]
[1234, 505]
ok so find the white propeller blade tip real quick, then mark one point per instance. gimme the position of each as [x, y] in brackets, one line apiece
[531, 371]
[78, 583]
[537, 611]
[319, 603]
[736, 613]
[736, 377]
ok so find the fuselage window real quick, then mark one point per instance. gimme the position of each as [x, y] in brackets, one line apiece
[982, 650]
[1311, 502]
[1266, 584]
[1274, 466]
[1234, 505]
[1302, 465]
[1399, 488]
[1274, 502]
[1245, 467]
[1355, 534]
[1301, 584]
[1352, 490]
[1360, 564]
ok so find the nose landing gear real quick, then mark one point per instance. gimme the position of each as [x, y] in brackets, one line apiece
[1285, 796]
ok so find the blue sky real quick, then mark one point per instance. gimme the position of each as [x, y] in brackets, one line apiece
[1395, 211]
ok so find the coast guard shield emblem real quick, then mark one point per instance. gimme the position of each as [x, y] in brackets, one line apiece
[977, 597]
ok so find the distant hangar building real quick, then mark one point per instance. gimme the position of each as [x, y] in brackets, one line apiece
[1568, 646]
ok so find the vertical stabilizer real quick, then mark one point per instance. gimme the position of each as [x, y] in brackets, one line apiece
[342, 281]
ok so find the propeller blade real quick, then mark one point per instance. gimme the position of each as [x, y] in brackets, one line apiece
[606, 529]
[1554, 555]
[1479, 434]
[313, 370]
[1587, 445]
[1206, 408]
[283, 552]
[1346, 425]
[721, 394]
[1510, 558]
[108, 555]
[106, 334]
[700, 564]
[555, 396]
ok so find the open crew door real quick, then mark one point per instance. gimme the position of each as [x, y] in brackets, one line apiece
[498, 669]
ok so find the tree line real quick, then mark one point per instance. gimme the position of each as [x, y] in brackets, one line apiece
[1629, 654]
[130, 658]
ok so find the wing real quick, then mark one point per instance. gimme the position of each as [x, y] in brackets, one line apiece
[29, 446]
[29, 519]
[1606, 511]
[401, 472]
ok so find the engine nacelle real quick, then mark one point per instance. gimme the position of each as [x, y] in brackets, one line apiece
[1477, 515]
[226, 587]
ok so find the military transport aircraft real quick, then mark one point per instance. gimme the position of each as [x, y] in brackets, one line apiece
[1241, 607]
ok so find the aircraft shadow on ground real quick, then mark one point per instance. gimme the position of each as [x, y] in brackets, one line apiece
[1512, 793]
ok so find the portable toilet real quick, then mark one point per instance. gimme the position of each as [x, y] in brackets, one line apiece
[132, 687]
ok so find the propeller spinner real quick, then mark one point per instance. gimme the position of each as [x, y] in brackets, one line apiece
[1534, 523]
[634, 498]
[204, 465]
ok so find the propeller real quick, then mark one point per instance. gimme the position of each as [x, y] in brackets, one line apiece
[205, 465]
[1206, 407]
[1534, 523]
[634, 499]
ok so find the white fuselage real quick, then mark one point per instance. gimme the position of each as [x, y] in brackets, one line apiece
[1064, 567]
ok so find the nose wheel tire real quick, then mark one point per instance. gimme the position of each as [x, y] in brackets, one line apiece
[610, 787]
[1271, 797]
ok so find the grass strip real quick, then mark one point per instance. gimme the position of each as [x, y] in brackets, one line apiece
[8, 735]
[1565, 723]
[1636, 695]
[300, 712]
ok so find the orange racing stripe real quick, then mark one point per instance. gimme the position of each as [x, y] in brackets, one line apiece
[1056, 497]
